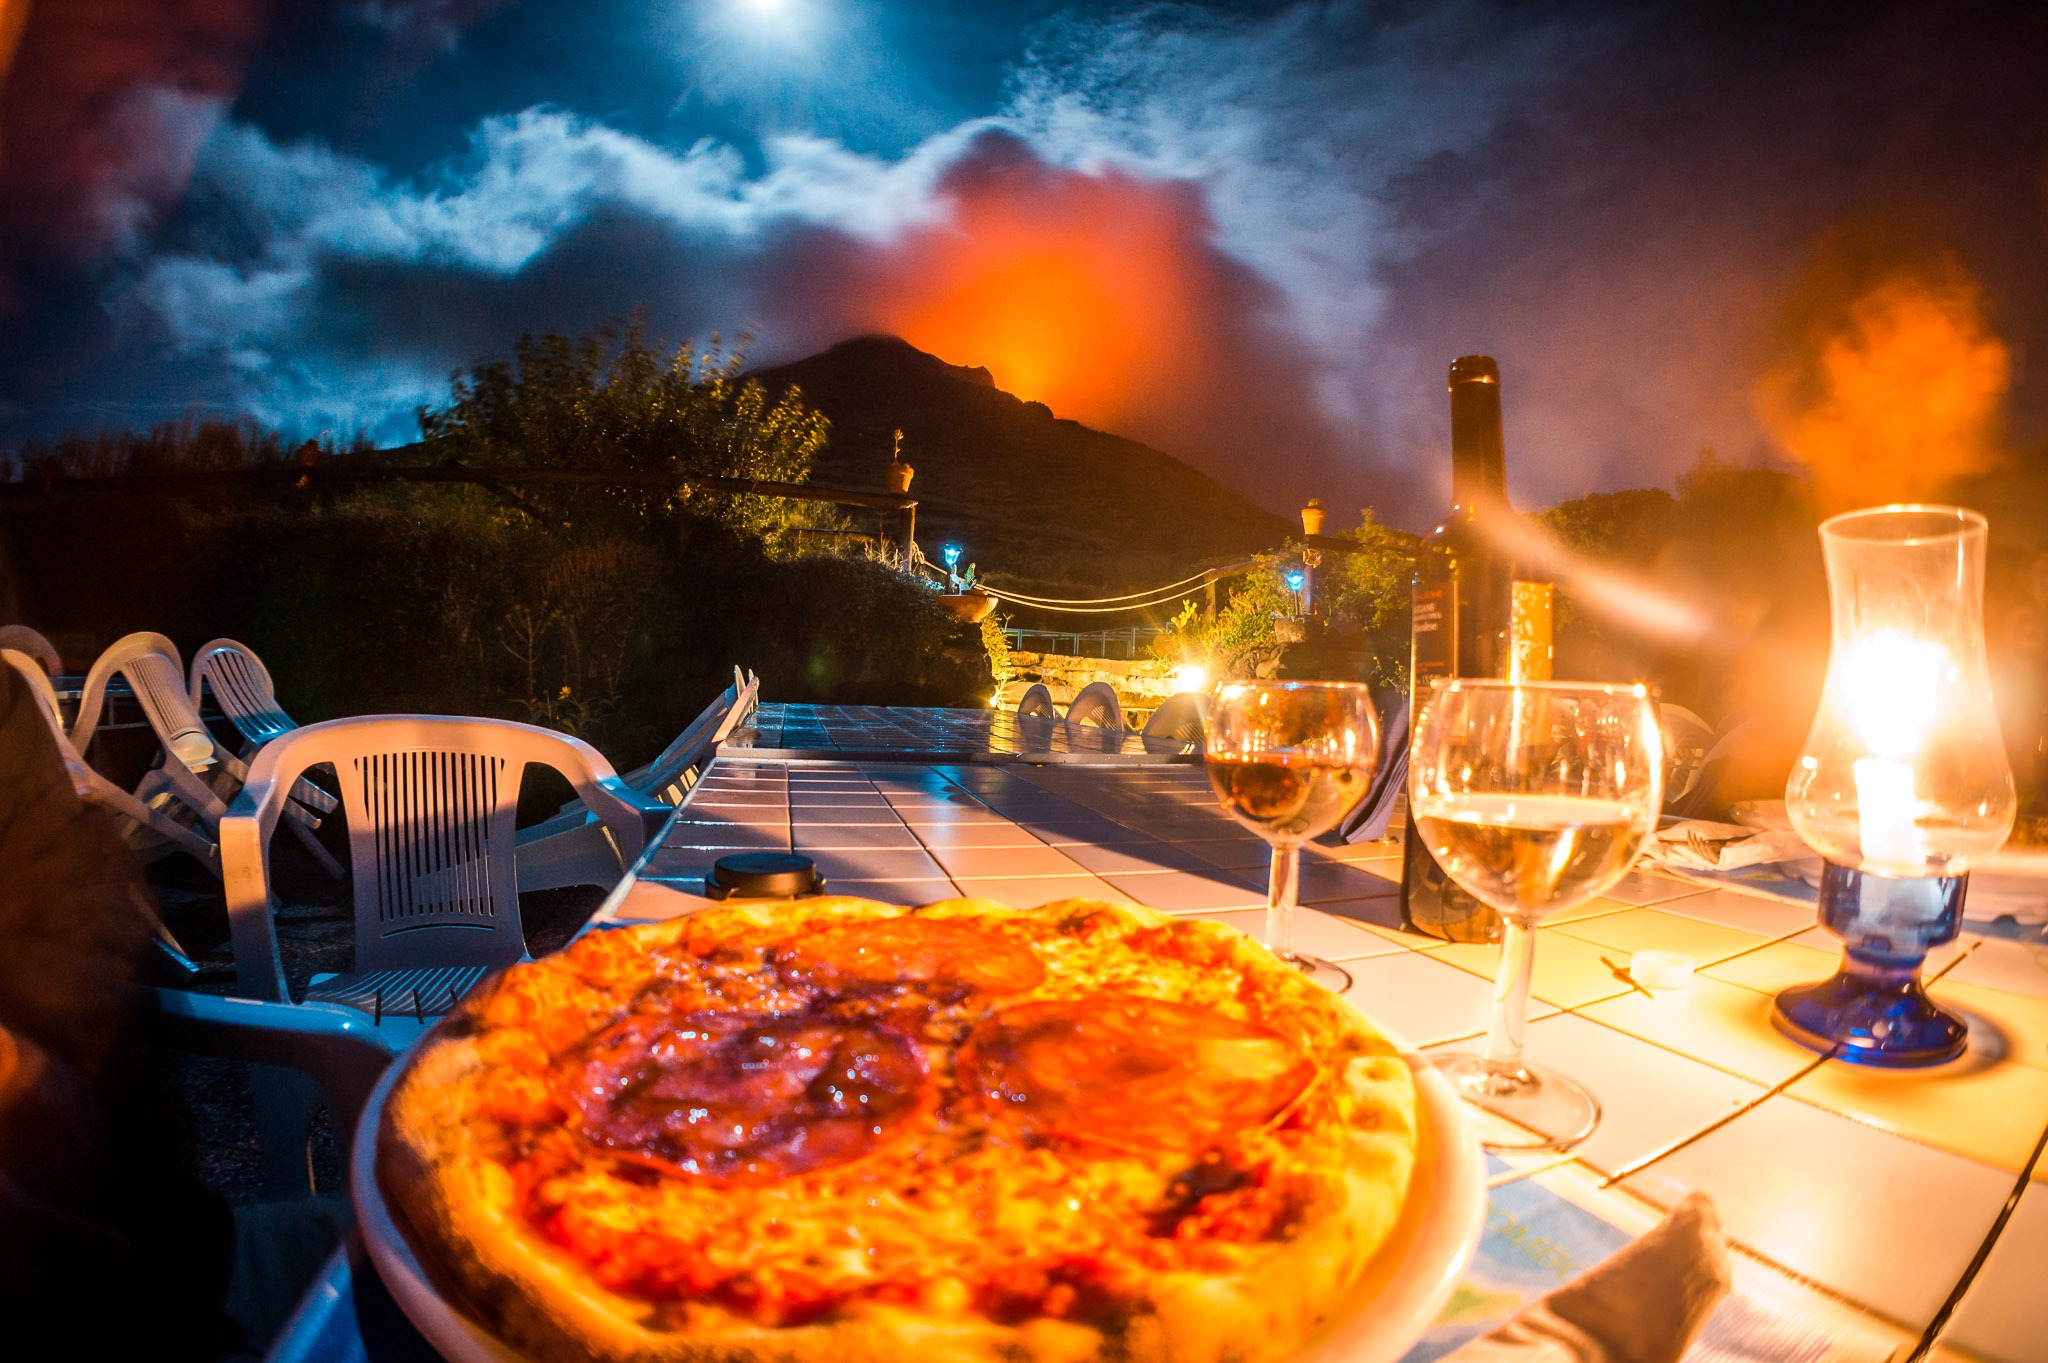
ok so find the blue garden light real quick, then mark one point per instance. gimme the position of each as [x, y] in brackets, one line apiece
[952, 555]
[1294, 581]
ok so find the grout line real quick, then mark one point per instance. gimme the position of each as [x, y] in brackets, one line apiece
[1962, 1287]
[1630, 1170]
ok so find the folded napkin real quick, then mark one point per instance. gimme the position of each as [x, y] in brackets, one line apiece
[1698, 845]
[1643, 1305]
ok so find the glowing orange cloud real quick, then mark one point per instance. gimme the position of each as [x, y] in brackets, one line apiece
[1074, 290]
[1900, 397]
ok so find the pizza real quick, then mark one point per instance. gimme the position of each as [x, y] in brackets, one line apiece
[832, 1129]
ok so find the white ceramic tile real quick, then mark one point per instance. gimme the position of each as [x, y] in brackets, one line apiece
[877, 813]
[2011, 966]
[842, 836]
[1641, 887]
[1382, 850]
[974, 834]
[907, 892]
[1130, 858]
[1325, 880]
[1091, 830]
[1870, 1215]
[1241, 853]
[1649, 1098]
[2005, 1315]
[875, 863]
[948, 813]
[1035, 890]
[1317, 934]
[993, 863]
[1382, 911]
[761, 837]
[1751, 913]
[1185, 891]
[1423, 1001]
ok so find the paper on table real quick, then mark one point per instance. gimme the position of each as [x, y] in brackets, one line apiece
[1698, 845]
[1643, 1305]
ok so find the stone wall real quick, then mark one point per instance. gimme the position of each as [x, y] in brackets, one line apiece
[1140, 684]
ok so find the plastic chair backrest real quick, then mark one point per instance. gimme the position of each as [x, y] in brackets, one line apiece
[429, 801]
[53, 714]
[24, 640]
[1180, 718]
[241, 687]
[1096, 703]
[157, 677]
[1036, 700]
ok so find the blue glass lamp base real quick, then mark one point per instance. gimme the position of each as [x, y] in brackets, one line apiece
[1873, 1011]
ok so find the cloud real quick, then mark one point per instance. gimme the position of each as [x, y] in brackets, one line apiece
[101, 116]
[1172, 231]
[1255, 242]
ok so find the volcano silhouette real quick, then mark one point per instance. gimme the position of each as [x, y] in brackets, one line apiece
[1040, 504]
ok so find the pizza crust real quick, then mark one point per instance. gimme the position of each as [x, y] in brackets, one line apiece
[459, 1206]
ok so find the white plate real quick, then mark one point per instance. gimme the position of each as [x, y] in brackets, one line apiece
[1403, 1289]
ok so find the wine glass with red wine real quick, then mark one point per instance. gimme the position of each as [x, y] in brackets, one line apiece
[1288, 760]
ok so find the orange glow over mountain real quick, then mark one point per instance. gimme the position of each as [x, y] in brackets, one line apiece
[1082, 292]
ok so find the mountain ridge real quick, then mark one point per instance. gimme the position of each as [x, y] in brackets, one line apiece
[1037, 501]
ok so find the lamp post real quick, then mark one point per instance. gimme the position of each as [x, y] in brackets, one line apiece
[1903, 781]
[1311, 558]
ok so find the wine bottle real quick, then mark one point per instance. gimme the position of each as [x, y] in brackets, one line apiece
[1473, 618]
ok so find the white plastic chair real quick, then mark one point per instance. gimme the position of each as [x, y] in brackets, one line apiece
[1096, 703]
[22, 639]
[147, 830]
[242, 689]
[572, 847]
[1179, 721]
[429, 802]
[150, 664]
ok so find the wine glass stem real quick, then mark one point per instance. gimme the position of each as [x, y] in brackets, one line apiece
[1508, 1025]
[1280, 891]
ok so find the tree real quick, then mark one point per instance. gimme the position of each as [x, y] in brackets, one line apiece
[573, 403]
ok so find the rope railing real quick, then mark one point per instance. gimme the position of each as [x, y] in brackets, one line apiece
[1129, 601]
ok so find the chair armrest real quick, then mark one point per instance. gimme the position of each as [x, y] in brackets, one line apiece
[244, 841]
[635, 819]
[337, 1046]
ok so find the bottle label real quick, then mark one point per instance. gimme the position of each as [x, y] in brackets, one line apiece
[1529, 656]
[1435, 631]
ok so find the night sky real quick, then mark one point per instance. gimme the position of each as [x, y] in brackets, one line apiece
[1251, 235]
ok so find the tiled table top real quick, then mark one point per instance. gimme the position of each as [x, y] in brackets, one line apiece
[1877, 1188]
[918, 734]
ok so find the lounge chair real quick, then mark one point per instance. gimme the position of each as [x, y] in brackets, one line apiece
[1178, 722]
[573, 848]
[146, 829]
[1036, 700]
[429, 801]
[149, 662]
[22, 639]
[1096, 703]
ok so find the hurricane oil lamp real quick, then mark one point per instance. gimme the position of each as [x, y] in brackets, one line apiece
[1903, 781]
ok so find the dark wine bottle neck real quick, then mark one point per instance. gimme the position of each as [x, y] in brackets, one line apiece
[1478, 451]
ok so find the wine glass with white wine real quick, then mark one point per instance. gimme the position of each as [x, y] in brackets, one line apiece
[1287, 760]
[1534, 797]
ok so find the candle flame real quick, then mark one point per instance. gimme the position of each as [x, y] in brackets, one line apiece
[1892, 683]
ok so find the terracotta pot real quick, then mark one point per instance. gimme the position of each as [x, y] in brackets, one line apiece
[970, 607]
